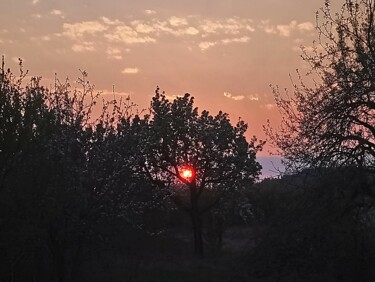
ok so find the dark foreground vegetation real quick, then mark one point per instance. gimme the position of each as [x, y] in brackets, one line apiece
[86, 197]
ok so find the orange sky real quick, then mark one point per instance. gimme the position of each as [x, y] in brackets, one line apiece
[225, 53]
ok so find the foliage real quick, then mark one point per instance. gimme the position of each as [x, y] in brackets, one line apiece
[321, 226]
[224, 162]
[179, 136]
[332, 123]
[64, 178]
[314, 226]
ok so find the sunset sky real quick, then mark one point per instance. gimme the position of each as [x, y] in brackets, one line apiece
[225, 53]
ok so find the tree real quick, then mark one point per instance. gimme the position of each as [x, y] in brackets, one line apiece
[42, 159]
[332, 124]
[176, 136]
[68, 190]
[328, 134]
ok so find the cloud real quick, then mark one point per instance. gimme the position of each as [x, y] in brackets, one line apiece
[235, 98]
[191, 31]
[110, 22]
[128, 35]
[149, 12]
[254, 97]
[46, 38]
[227, 26]
[36, 16]
[234, 30]
[106, 92]
[269, 106]
[143, 27]
[58, 13]
[306, 26]
[79, 30]
[173, 97]
[206, 44]
[242, 39]
[34, 2]
[114, 53]
[176, 21]
[84, 46]
[285, 30]
[130, 71]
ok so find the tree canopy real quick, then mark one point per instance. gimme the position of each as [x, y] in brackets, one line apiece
[176, 136]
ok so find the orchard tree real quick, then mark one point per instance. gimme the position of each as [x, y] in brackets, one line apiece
[67, 184]
[332, 124]
[197, 159]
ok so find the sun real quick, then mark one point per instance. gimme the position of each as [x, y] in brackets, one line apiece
[187, 173]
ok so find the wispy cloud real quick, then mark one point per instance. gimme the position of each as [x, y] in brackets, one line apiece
[208, 44]
[253, 97]
[46, 38]
[84, 46]
[285, 30]
[114, 53]
[173, 97]
[176, 21]
[107, 92]
[149, 12]
[34, 2]
[143, 27]
[130, 71]
[306, 26]
[128, 35]
[110, 22]
[81, 29]
[58, 13]
[227, 26]
[36, 16]
[235, 98]
[269, 106]
[242, 39]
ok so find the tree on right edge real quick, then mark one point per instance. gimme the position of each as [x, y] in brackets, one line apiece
[327, 139]
[332, 124]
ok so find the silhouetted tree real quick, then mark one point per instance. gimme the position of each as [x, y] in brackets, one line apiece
[68, 189]
[175, 136]
[332, 124]
[327, 138]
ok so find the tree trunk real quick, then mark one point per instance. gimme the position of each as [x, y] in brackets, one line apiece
[196, 221]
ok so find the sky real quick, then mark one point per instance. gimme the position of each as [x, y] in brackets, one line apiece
[224, 53]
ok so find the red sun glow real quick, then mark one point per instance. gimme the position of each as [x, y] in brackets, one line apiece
[187, 173]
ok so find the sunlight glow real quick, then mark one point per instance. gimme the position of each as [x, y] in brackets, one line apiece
[187, 173]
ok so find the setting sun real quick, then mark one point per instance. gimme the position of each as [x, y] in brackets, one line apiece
[187, 173]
